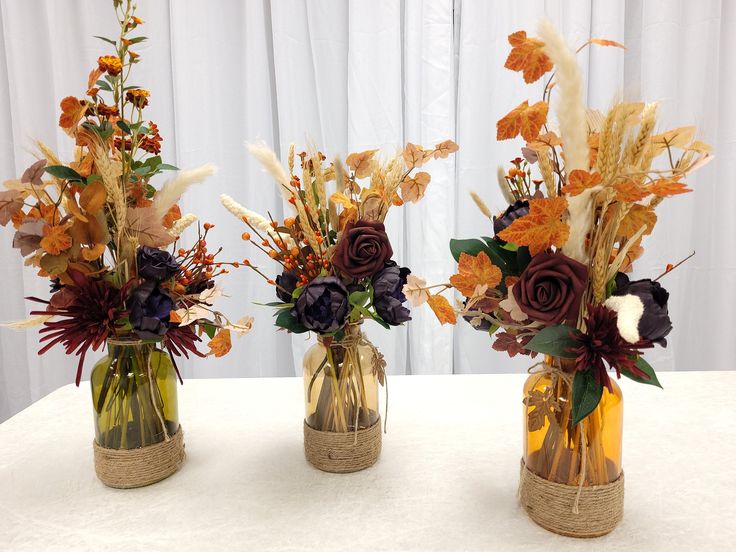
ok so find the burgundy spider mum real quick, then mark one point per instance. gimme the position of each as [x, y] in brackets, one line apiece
[88, 315]
[602, 344]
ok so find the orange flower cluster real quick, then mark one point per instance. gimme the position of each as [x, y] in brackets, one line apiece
[138, 97]
[110, 65]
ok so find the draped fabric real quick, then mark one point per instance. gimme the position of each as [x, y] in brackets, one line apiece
[363, 74]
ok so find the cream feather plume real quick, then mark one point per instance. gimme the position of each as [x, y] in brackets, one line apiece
[259, 222]
[182, 224]
[271, 164]
[571, 115]
[167, 196]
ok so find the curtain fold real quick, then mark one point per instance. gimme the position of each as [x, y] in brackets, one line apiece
[356, 75]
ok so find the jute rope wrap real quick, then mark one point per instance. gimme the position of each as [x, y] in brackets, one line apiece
[551, 505]
[128, 469]
[342, 452]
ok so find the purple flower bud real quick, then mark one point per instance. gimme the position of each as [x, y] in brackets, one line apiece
[323, 305]
[156, 264]
[388, 296]
[150, 308]
[285, 285]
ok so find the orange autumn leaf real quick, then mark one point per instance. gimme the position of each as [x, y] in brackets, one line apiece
[523, 119]
[174, 318]
[361, 163]
[442, 309]
[221, 344]
[593, 145]
[444, 149]
[55, 239]
[72, 110]
[172, 215]
[474, 271]
[93, 197]
[666, 187]
[414, 156]
[413, 188]
[579, 180]
[638, 216]
[527, 55]
[541, 228]
[629, 191]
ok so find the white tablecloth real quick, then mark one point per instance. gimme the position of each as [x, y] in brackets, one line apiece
[446, 479]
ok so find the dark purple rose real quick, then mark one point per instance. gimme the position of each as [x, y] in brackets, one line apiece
[551, 288]
[285, 285]
[642, 310]
[155, 264]
[323, 305]
[363, 249]
[388, 296]
[517, 210]
[149, 308]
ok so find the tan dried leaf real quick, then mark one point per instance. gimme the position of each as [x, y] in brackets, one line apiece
[413, 188]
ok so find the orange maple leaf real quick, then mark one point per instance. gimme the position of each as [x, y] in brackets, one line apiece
[579, 180]
[221, 344]
[638, 216]
[629, 191]
[666, 187]
[442, 309]
[541, 228]
[523, 119]
[55, 239]
[527, 56]
[474, 271]
[72, 110]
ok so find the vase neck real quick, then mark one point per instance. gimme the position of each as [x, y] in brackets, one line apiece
[350, 332]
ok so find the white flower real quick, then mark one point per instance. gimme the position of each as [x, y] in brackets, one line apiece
[630, 309]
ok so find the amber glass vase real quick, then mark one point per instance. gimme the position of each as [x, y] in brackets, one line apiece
[341, 383]
[134, 395]
[553, 447]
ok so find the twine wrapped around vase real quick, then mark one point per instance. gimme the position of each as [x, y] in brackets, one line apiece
[569, 510]
[339, 452]
[131, 468]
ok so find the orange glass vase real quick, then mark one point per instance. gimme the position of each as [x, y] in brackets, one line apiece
[554, 447]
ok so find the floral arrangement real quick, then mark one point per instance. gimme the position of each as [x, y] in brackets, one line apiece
[98, 229]
[334, 254]
[582, 196]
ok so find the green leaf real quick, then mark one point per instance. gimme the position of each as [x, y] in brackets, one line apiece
[137, 39]
[297, 292]
[103, 85]
[122, 125]
[471, 247]
[210, 330]
[136, 126]
[381, 321]
[93, 178]
[644, 366]
[108, 40]
[359, 298]
[555, 341]
[586, 394]
[65, 173]
[523, 258]
[167, 167]
[288, 322]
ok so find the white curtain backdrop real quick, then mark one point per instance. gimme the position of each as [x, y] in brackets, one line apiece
[360, 74]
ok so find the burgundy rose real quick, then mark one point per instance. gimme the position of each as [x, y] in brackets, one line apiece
[363, 249]
[551, 288]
